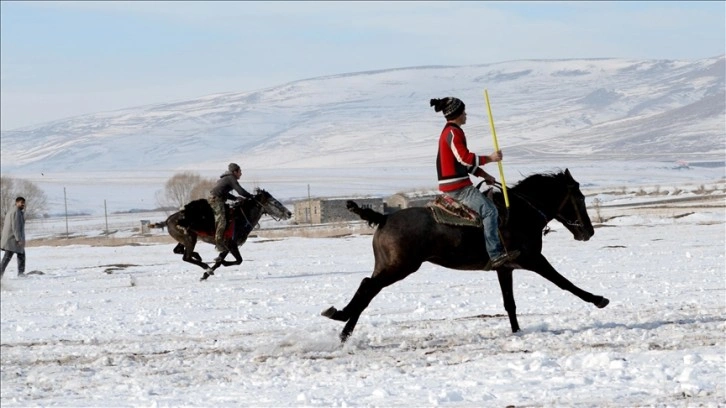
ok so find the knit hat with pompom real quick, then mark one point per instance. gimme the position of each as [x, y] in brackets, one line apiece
[450, 106]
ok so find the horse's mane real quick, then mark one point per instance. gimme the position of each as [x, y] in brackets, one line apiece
[539, 181]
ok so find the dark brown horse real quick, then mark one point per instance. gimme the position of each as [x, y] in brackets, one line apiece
[196, 222]
[407, 238]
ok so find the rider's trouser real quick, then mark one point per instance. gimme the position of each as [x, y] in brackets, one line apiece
[474, 199]
[220, 218]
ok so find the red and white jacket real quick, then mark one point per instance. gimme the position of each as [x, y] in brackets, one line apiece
[455, 162]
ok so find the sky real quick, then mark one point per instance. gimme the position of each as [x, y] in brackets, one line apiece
[61, 59]
[131, 325]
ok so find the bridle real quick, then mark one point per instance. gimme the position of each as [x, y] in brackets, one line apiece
[264, 209]
[569, 197]
[270, 215]
[558, 216]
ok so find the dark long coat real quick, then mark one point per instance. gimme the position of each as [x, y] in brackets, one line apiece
[13, 235]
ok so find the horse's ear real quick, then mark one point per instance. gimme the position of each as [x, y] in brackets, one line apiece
[570, 180]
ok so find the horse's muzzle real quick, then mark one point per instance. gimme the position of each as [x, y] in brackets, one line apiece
[584, 235]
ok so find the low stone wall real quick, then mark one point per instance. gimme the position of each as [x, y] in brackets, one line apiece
[307, 231]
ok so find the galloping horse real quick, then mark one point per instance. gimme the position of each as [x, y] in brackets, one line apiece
[196, 221]
[409, 237]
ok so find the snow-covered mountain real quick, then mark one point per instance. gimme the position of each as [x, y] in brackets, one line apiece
[544, 110]
[639, 108]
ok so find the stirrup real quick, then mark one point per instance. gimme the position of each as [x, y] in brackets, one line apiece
[501, 260]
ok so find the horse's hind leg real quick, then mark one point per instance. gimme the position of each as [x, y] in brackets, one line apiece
[189, 255]
[505, 283]
[368, 289]
[179, 249]
[360, 301]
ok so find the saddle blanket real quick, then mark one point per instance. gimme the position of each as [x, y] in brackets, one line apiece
[228, 232]
[448, 211]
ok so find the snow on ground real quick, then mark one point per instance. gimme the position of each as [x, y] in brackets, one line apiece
[133, 326]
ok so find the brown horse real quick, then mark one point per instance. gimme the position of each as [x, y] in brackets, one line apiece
[196, 222]
[407, 238]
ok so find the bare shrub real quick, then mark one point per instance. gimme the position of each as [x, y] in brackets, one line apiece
[596, 204]
[7, 198]
[182, 188]
[201, 189]
[36, 202]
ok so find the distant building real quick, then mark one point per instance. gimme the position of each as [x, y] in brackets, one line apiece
[325, 210]
[409, 199]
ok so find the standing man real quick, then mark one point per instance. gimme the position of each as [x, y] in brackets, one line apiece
[219, 195]
[454, 164]
[12, 240]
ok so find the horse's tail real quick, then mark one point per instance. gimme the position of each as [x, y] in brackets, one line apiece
[366, 214]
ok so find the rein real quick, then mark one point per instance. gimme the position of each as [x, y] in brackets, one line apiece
[241, 210]
[557, 215]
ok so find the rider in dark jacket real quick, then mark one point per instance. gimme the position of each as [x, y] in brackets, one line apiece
[219, 195]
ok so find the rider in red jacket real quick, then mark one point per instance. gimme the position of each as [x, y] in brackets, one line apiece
[454, 164]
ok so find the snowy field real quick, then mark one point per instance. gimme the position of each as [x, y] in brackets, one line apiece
[132, 325]
[116, 319]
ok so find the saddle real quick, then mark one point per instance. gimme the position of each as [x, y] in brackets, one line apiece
[200, 219]
[448, 211]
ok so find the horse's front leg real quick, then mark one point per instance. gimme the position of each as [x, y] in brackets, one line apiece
[234, 250]
[189, 255]
[539, 264]
[217, 262]
[505, 283]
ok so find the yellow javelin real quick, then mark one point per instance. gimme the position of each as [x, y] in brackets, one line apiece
[496, 147]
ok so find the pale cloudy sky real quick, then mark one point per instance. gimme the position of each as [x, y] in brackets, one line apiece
[60, 59]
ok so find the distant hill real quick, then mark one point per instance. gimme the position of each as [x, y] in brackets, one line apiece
[372, 132]
[656, 109]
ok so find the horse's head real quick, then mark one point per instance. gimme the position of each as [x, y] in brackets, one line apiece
[572, 211]
[271, 206]
[557, 196]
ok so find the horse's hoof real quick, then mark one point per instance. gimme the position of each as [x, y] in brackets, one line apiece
[604, 302]
[329, 312]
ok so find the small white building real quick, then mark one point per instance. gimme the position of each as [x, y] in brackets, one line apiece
[409, 199]
[325, 210]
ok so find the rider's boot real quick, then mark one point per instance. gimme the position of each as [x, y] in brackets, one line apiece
[220, 245]
[500, 260]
